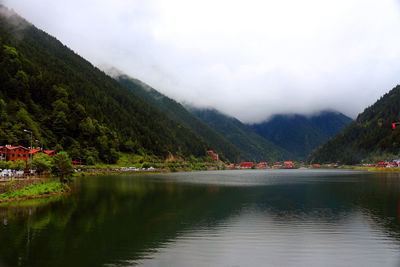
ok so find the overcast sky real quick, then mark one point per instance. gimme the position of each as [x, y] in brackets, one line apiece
[247, 58]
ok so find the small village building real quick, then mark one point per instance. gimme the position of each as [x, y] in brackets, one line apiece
[213, 155]
[13, 153]
[51, 153]
[263, 165]
[247, 164]
[277, 165]
[381, 164]
[35, 151]
[288, 165]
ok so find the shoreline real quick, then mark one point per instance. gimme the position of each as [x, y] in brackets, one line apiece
[40, 189]
[113, 172]
[33, 197]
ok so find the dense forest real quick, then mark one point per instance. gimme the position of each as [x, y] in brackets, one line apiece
[70, 105]
[254, 146]
[369, 138]
[179, 114]
[300, 134]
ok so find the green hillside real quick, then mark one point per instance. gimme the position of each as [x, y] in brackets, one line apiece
[300, 134]
[255, 147]
[369, 138]
[69, 104]
[179, 114]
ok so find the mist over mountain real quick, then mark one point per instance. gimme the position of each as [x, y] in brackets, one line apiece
[70, 105]
[301, 134]
[254, 146]
[249, 59]
[370, 137]
[179, 114]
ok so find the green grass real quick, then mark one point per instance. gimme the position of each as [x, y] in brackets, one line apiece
[36, 190]
[376, 169]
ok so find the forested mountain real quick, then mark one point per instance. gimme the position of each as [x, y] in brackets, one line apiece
[253, 145]
[300, 134]
[69, 104]
[179, 114]
[370, 137]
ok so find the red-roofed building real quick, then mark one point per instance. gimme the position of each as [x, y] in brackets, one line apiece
[51, 153]
[35, 151]
[277, 165]
[246, 164]
[262, 165]
[381, 164]
[213, 155]
[288, 165]
[12, 153]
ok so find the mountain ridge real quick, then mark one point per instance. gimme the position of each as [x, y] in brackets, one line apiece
[71, 105]
[300, 134]
[179, 113]
[370, 137]
[256, 147]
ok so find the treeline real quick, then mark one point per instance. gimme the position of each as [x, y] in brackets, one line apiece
[70, 105]
[369, 138]
[180, 114]
[300, 134]
[253, 146]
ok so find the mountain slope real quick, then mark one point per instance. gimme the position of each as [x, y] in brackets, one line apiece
[69, 104]
[255, 147]
[369, 137]
[178, 113]
[299, 134]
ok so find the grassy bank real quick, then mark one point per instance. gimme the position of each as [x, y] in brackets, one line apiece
[370, 169]
[375, 169]
[35, 191]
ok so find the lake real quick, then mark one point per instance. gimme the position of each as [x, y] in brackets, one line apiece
[213, 218]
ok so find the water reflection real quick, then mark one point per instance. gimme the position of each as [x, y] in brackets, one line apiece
[214, 218]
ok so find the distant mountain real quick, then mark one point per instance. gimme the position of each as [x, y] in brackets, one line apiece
[69, 104]
[370, 137]
[300, 134]
[255, 147]
[179, 114]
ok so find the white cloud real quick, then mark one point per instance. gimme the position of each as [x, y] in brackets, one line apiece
[249, 59]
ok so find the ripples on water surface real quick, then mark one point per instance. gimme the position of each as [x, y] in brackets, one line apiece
[227, 218]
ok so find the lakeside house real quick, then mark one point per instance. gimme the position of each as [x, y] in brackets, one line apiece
[277, 165]
[288, 165]
[263, 165]
[14, 153]
[247, 164]
[213, 155]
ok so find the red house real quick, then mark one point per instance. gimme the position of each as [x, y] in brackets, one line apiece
[381, 165]
[51, 153]
[262, 165]
[213, 155]
[246, 164]
[35, 151]
[13, 153]
[288, 164]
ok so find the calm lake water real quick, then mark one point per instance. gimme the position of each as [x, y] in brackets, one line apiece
[227, 218]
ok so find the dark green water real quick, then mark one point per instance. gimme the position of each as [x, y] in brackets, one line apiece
[228, 218]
